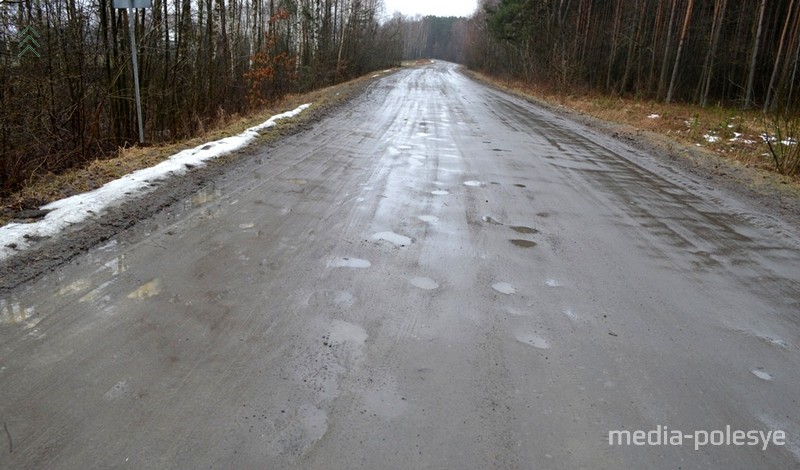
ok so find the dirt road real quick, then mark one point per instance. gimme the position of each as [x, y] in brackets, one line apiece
[438, 276]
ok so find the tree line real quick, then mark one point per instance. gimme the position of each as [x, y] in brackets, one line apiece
[741, 53]
[69, 99]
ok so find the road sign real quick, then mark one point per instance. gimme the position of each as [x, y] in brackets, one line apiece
[133, 4]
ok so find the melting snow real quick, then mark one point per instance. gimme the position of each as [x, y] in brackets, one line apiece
[76, 209]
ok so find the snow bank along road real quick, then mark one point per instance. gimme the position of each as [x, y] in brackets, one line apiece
[439, 276]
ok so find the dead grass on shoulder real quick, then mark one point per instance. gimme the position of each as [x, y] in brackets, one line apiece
[730, 133]
[49, 187]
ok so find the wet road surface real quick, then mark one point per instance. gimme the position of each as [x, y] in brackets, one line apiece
[439, 276]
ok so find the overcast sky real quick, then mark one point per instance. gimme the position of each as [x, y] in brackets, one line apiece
[431, 7]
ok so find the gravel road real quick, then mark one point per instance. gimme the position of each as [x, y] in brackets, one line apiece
[438, 275]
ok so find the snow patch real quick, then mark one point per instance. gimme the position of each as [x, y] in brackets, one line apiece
[78, 208]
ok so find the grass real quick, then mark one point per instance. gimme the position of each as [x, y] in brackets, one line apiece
[50, 187]
[730, 133]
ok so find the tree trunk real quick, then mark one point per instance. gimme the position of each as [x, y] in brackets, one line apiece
[684, 34]
[754, 58]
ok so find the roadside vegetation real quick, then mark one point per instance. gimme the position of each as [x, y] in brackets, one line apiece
[22, 204]
[66, 75]
[718, 74]
[721, 74]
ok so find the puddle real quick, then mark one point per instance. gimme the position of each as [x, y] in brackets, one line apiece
[424, 283]
[297, 181]
[440, 192]
[74, 288]
[120, 389]
[349, 263]
[473, 183]
[343, 332]
[393, 238]
[117, 265]
[246, 226]
[495, 183]
[520, 185]
[344, 299]
[522, 229]
[431, 219]
[761, 374]
[534, 340]
[543, 215]
[490, 220]
[570, 314]
[151, 289]
[516, 312]
[504, 288]
[523, 243]
[13, 313]
[311, 426]
[205, 195]
[766, 338]
[552, 283]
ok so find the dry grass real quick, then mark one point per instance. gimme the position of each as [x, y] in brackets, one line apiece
[49, 187]
[731, 133]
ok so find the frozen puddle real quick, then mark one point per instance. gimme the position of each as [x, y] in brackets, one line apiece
[349, 263]
[424, 283]
[504, 288]
[534, 340]
[393, 238]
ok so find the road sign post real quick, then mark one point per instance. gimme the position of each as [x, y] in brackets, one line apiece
[131, 5]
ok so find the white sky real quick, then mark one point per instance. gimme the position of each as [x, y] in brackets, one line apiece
[431, 7]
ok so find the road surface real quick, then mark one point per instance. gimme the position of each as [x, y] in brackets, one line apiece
[439, 276]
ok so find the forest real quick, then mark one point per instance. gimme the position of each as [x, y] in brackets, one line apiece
[72, 100]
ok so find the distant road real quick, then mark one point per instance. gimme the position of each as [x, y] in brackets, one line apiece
[439, 276]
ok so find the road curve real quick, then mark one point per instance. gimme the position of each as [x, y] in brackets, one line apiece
[439, 276]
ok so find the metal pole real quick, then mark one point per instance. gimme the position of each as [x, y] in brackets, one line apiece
[132, 30]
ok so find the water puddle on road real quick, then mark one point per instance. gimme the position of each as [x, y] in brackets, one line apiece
[473, 183]
[520, 185]
[349, 263]
[14, 313]
[504, 288]
[425, 283]
[552, 283]
[74, 288]
[761, 374]
[533, 340]
[343, 332]
[393, 238]
[150, 289]
[521, 229]
[523, 243]
[205, 195]
[440, 192]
